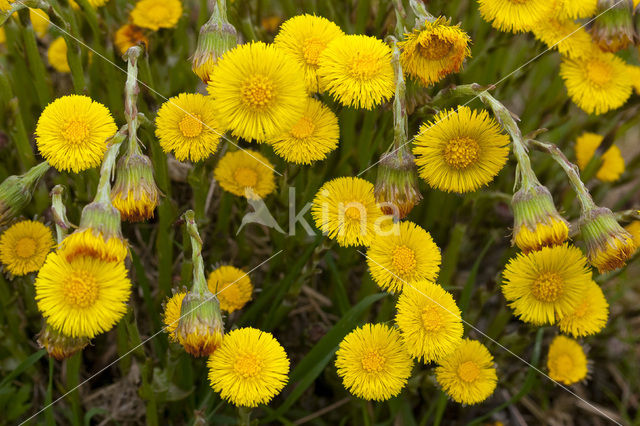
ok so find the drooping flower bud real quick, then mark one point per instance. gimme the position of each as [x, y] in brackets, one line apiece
[216, 37]
[16, 192]
[135, 193]
[537, 223]
[609, 245]
[200, 328]
[613, 29]
[397, 184]
[59, 345]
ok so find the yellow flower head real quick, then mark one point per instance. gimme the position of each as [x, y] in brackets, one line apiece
[92, 243]
[83, 297]
[576, 9]
[231, 286]
[597, 82]
[58, 345]
[546, 285]
[357, 71]
[258, 91]
[156, 14]
[429, 320]
[567, 362]
[432, 52]
[460, 151]
[171, 316]
[634, 229]
[373, 362]
[304, 37]
[609, 245]
[39, 21]
[402, 257]
[612, 161]
[200, 329]
[245, 174]
[562, 33]
[57, 55]
[345, 209]
[250, 367]
[188, 126]
[128, 36]
[589, 316]
[311, 138]
[468, 374]
[514, 15]
[24, 246]
[135, 193]
[72, 133]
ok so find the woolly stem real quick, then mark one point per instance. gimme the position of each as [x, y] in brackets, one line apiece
[199, 282]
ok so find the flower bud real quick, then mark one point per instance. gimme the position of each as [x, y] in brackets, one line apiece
[16, 192]
[397, 185]
[135, 193]
[216, 37]
[59, 345]
[613, 29]
[537, 223]
[609, 245]
[200, 328]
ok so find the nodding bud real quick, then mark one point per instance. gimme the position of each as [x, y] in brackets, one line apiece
[609, 245]
[397, 183]
[537, 223]
[58, 345]
[613, 29]
[200, 328]
[16, 192]
[216, 37]
[135, 193]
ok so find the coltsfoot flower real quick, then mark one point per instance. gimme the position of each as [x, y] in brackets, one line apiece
[397, 189]
[171, 315]
[200, 328]
[245, 173]
[135, 193]
[567, 362]
[57, 55]
[59, 345]
[128, 36]
[609, 245]
[612, 161]
[24, 246]
[514, 15]
[154, 14]
[231, 286]
[589, 316]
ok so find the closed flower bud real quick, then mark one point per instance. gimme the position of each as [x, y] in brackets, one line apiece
[397, 184]
[537, 223]
[16, 192]
[609, 245]
[59, 345]
[135, 193]
[200, 328]
[216, 37]
[613, 29]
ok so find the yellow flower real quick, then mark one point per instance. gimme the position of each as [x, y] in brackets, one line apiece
[460, 151]
[345, 209]
[373, 362]
[432, 52]
[245, 174]
[546, 285]
[39, 21]
[258, 91]
[612, 161]
[552, 233]
[91, 243]
[402, 257]
[468, 375]
[155, 14]
[72, 133]
[135, 193]
[514, 15]
[24, 246]
[231, 286]
[128, 36]
[589, 316]
[84, 297]
[250, 367]
[188, 126]
[429, 320]
[634, 229]
[575, 9]
[597, 82]
[57, 55]
[200, 329]
[565, 35]
[171, 316]
[609, 245]
[311, 138]
[357, 71]
[304, 37]
[567, 362]
[58, 345]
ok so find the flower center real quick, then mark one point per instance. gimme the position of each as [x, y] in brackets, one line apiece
[191, 125]
[81, 289]
[548, 287]
[257, 92]
[246, 177]
[564, 364]
[229, 292]
[311, 49]
[404, 260]
[75, 131]
[303, 128]
[158, 12]
[247, 365]
[364, 67]
[352, 212]
[468, 371]
[373, 362]
[461, 153]
[431, 318]
[598, 73]
[25, 248]
[433, 47]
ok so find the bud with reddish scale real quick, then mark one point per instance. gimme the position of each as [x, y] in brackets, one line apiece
[59, 345]
[613, 29]
[609, 245]
[135, 193]
[397, 184]
[16, 192]
[537, 223]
